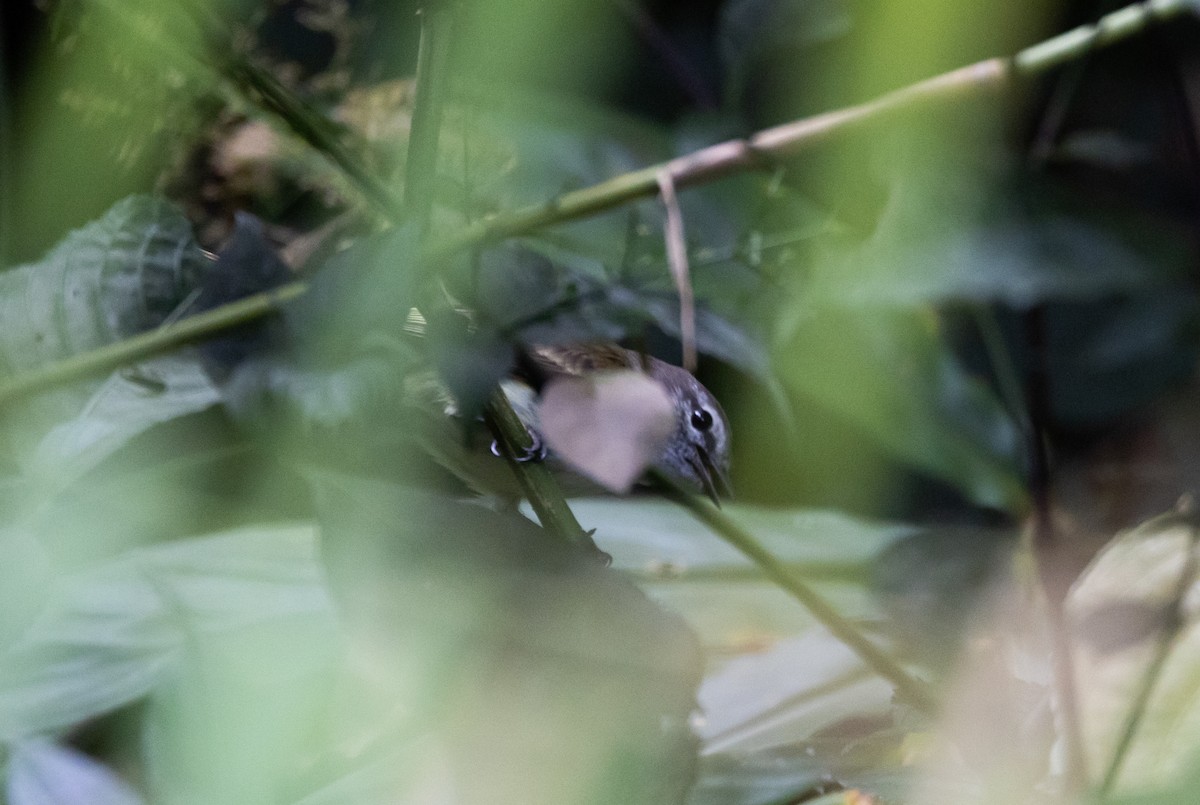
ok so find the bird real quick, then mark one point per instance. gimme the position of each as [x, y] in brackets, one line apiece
[697, 451]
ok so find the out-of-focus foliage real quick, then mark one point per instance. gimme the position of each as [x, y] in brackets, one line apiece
[283, 565]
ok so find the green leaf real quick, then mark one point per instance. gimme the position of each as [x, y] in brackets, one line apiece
[1141, 568]
[1109, 358]
[119, 275]
[107, 635]
[975, 235]
[471, 361]
[557, 680]
[717, 589]
[751, 31]
[887, 371]
[130, 402]
[787, 679]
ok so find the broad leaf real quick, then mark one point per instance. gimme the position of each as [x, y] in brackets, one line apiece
[552, 678]
[107, 635]
[125, 273]
[975, 235]
[888, 372]
[130, 402]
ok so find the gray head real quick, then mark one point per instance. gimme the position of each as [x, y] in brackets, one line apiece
[698, 452]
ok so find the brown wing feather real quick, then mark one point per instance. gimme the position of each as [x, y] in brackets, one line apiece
[582, 359]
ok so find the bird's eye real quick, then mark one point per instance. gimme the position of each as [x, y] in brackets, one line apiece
[702, 419]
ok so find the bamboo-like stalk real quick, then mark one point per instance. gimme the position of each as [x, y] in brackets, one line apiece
[701, 166]
[537, 483]
[789, 139]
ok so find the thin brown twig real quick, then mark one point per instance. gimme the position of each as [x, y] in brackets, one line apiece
[705, 164]
[1044, 549]
[677, 260]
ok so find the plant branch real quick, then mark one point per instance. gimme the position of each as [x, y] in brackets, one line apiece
[537, 482]
[151, 343]
[433, 62]
[908, 687]
[700, 166]
[677, 258]
[789, 139]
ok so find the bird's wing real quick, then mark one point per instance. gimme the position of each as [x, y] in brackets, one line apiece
[582, 359]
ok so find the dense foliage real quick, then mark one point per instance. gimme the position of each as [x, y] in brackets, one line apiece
[267, 263]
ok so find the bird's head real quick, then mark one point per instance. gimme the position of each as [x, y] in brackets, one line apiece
[698, 452]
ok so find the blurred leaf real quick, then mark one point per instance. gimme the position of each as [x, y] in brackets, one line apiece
[644, 533]
[417, 774]
[43, 773]
[239, 713]
[512, 283]
[800, 773]
[930, 585]
[1109, 358]
[553, 678]
[109, 634]
[470, 360]
[958, 233]
[715, 335]
[246, 265]
[563, 144]
[610, 426]
[119, 275]
[1104, 149]
[786, 694]
[360, 293]
[752, 30]
[720, 592]
[887, 371]
[1180, 792]
[756, 779]
[335, 361]
[25, 578]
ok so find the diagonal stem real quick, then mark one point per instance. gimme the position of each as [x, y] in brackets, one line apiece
[909, 688]
[701, 166]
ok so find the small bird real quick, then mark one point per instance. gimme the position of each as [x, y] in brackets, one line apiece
[697, 451]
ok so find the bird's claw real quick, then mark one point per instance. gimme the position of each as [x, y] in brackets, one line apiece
[536, 451]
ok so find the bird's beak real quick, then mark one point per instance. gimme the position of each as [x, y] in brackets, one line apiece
[713, 478]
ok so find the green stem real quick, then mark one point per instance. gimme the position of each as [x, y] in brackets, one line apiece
[789, 139]
[911, 689]
[149, 344]
[313, 128]
[537, 482]
[433, 63]
[700, 166]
